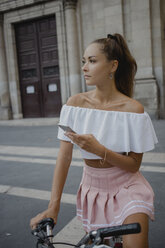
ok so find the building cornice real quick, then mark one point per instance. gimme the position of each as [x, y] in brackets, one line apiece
[9, 5]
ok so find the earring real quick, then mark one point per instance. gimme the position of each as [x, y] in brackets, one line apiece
[111, 76]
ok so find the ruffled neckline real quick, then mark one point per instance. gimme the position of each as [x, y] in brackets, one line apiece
[104, 111]
[118, 131]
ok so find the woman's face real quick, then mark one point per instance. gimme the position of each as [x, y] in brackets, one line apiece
[96, 67]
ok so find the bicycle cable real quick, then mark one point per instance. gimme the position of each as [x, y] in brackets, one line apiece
[64, 243]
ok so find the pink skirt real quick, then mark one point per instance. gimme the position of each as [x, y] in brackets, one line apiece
[106, 197]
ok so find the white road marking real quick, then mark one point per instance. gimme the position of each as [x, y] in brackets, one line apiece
[147, 168]
[154, 157]
[35, 193]
[71, 233]
[149, 157]
[34, 151]
[31, 161]
[4, 188]
[36, 160]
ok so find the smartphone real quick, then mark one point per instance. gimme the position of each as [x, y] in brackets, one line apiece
[66, 128]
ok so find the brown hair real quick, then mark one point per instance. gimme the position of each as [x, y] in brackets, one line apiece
[115, 48]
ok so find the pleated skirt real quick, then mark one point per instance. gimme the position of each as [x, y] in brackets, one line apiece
[107, 196]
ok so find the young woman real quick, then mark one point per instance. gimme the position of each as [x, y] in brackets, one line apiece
[112, 132]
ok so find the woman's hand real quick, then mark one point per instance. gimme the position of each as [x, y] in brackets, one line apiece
[87, 142]
[49, 213]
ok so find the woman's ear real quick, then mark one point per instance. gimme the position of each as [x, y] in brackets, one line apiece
[114, 65]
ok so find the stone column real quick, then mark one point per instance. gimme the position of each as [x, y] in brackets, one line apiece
[146, 89]
[12, 66]
[72, 46]
[4, 90]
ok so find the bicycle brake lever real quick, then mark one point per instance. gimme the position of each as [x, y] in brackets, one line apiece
[47, 221]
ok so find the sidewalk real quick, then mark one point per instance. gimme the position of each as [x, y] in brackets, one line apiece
[31, 122]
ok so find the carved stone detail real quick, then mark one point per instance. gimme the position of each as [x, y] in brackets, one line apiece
[70, 4]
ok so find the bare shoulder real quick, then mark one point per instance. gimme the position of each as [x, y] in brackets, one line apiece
[77, 100]
[134, 106]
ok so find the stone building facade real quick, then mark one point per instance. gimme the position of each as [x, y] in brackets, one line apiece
[42, 42]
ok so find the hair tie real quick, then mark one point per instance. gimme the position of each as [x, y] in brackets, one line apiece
[110, 36]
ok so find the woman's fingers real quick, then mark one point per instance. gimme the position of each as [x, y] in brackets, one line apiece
[85, 141]
[74, 137]
[34, 221]
[49, 213]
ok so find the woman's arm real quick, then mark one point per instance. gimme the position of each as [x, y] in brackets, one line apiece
[61, 170]
[60, 174]
[130, 162]
[88, 142]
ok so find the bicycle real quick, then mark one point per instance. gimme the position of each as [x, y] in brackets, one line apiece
[44, 234]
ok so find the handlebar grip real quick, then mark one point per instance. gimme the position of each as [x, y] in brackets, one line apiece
[42, 225]
[120, 230]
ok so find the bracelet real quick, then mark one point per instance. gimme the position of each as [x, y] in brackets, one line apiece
[102, 161]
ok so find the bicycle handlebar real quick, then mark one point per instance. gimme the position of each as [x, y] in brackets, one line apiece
[98, 236]
[42, 225]
[120, 230]
[44, 233]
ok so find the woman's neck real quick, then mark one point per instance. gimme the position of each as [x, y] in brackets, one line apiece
[106, 94]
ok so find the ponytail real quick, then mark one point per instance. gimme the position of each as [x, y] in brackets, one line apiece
[115, 48]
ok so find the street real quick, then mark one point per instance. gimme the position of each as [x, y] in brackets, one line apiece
[28, 154]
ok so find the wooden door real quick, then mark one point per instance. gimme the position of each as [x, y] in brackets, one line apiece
[38, 67]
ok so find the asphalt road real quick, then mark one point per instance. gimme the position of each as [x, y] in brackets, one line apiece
[27, 159]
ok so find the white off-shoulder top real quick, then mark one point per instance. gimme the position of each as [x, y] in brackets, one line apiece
[116, 130]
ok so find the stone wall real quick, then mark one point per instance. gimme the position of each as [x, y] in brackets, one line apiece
[134, 20]
[78, 23]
